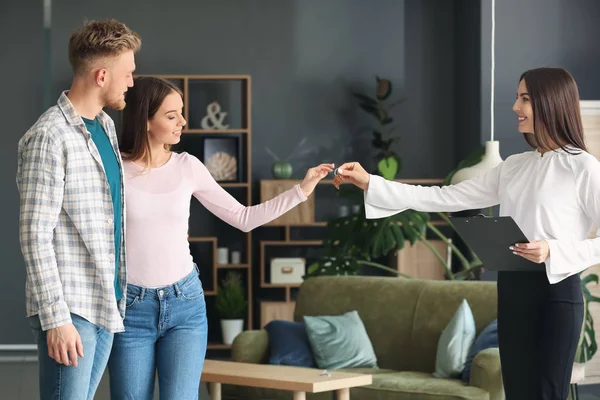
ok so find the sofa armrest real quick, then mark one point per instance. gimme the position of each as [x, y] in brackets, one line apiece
[487, 374]
[251, 347]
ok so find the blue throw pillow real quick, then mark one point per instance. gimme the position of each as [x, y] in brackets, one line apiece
[488, 338]
[340, 341]
[454, 343]
[289, 345]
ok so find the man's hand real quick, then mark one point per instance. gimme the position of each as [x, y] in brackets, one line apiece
[64, 344]
[536, 251]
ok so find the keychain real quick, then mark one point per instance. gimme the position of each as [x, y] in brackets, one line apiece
[337, 179]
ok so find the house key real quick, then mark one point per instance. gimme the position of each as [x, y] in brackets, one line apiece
[337, 179]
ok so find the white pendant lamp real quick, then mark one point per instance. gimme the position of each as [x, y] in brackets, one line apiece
[492, 157]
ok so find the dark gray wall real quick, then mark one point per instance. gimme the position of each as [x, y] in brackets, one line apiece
[21, 67]
[427, 117]
[467, 70]
[531, 34]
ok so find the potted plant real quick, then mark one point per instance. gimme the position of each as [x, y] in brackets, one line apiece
[231, 305]
[388, 162]
[282, 167]
[354, 240]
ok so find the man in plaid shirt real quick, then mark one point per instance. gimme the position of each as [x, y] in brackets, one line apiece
[71, 226]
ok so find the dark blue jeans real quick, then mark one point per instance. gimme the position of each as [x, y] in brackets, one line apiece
[165, 332]
[58, 381]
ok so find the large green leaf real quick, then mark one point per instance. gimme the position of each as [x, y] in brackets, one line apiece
[388, 167]
[411, 233]
[588, 346]
[398, 235]
[419, 222]
[333, 266]
[591, 278]
[378, 239]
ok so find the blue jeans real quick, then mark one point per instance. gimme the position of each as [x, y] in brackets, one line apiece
[165, 332]
[59, 381]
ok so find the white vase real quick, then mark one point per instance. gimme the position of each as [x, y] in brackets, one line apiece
[231, 328]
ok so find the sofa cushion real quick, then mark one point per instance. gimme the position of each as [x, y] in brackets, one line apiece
[454, 343]
[289, 345]
[488, 338]
[340, 341]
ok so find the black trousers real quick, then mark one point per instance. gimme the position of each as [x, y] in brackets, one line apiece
[539, 325]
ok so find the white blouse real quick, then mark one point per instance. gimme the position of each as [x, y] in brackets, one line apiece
[553, 196]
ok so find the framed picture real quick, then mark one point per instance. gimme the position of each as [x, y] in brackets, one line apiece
[222, 156]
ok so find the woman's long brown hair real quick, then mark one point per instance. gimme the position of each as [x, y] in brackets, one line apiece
[143, 101]
[556, 110]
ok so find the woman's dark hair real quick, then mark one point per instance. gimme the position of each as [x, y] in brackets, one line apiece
[143, 101]
[556, 114]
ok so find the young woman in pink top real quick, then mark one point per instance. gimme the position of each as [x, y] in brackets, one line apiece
[165, 323]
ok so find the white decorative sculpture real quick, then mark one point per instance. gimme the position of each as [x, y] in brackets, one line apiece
[215, 116]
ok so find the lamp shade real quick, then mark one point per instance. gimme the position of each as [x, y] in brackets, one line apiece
[490, 159]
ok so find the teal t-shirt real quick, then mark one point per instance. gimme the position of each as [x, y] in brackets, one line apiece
[113, 175]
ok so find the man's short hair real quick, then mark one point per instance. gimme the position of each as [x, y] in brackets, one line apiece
[99, 39]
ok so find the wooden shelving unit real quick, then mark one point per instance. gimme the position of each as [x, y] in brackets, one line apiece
[303, 216]
[196, 100]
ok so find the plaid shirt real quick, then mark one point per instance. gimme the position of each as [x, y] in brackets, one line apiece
[66, 222]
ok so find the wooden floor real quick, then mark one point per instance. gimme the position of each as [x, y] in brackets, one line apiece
[19, 381]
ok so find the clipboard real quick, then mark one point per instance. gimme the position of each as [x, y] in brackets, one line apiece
[490, 238]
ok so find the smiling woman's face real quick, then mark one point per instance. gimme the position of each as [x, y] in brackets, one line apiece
[523, 109]
[166, 125]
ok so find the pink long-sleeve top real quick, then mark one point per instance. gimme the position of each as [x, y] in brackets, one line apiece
[158, 210]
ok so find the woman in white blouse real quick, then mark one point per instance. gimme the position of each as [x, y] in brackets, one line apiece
[553, 194]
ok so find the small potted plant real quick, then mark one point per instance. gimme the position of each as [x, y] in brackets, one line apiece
[231, 305]
[282, 167]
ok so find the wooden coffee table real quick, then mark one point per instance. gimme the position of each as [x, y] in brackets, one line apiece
[294, 379]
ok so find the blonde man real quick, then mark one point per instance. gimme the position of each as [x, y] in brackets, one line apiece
[70, 182]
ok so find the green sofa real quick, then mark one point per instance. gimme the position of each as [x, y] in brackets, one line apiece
[404, 319]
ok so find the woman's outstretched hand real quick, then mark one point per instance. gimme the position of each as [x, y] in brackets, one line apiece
[354, 173]
[313, 176]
